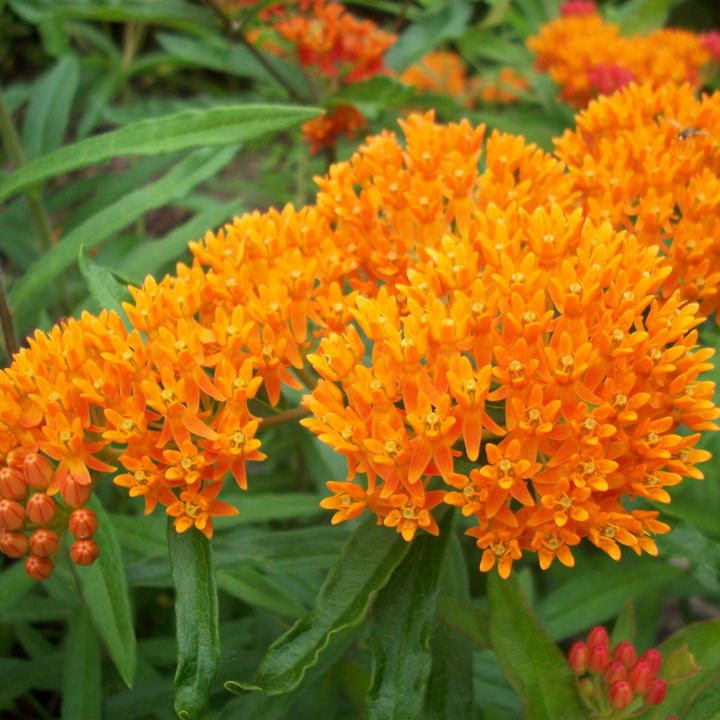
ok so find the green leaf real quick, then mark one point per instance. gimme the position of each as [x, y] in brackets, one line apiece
[639, 17]
[530, 660]
[471, 622]
[151, 257]
[196, 617]
[107, 291]
[402, 624]
[450, 685]
[178, 182]
[269, 506]
[254, 588]
[364, 566]
[703, 642]
[446, 23]
[82, 692]
[625, 628]
[374, 95]
[48, 113]
[188, 129]
[14, 584]
[105, 593]
[598, 595]
[485, 44]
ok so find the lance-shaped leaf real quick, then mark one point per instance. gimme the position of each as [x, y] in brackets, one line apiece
[104, 590]
[625, 629]
[105, 289]
[402, 624]
[187, 129]
[465, 619]
[364, 566]
[702, 641]
[196, 619]
[530, 660]
[82, 672]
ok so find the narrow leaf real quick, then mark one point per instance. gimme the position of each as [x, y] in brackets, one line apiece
[178, 182]
[625, 628]
[105, 289]
[104, 590]
[469, 621]
[188, 129]
[82, 692]
[402, 624]
[48, 113]
[14, 584]
[364, 566]
[530, 660]
[196, 617]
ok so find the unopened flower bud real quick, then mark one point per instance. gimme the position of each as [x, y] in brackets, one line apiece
[40, 509]
[39, 568]
[16, 458]
[44, 542]
[598, 636]
[578, 658]
[614, 671]
[640, 677]
[12, 484]
[620, 694]
[586, 687]
[14, 544]
[74, 494]
[38, 472]
[653, 659]
[598, 659]
[625, 653]
[12, 515]
[84, 552]
[656, 692]
[83, 523]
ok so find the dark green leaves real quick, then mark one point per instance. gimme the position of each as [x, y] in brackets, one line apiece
[364, 566]
[105, 593]
[465, 619]
[530, 660]
[191, 128]
[82, 692]
[105, 289]
[403, 619]
[196, 617]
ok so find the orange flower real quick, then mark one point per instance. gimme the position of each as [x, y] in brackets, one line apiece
[411, 513]
[324, 131]
[198, 507]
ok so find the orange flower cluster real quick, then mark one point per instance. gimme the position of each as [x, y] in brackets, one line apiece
[324, 130]
[328, 39]
[446, 73]
[442, 307]
[492, 308]
[587, 56]
[649, 161]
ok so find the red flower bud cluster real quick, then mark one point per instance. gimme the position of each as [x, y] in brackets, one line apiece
[619, 677]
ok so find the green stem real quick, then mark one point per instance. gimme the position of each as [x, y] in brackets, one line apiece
[236, 31]
[8, 326]
[285, 418]
[40, 218]
[305, 378]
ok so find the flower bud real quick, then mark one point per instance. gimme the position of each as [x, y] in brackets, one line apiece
[16, 458]
[38, 472]
[598, 659]
[656, 692]
[640, 677]
[83, 523]
[614, 671]
[586, 688]
[625, 653]
[620, 694]
[12, 484]
[578, 658]
[14, 544]
[84, 552]
[598, 636]
[39, 568]
[44, 542]
[12, 515]
[40, 509]
[653, 659]
[74, 494]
